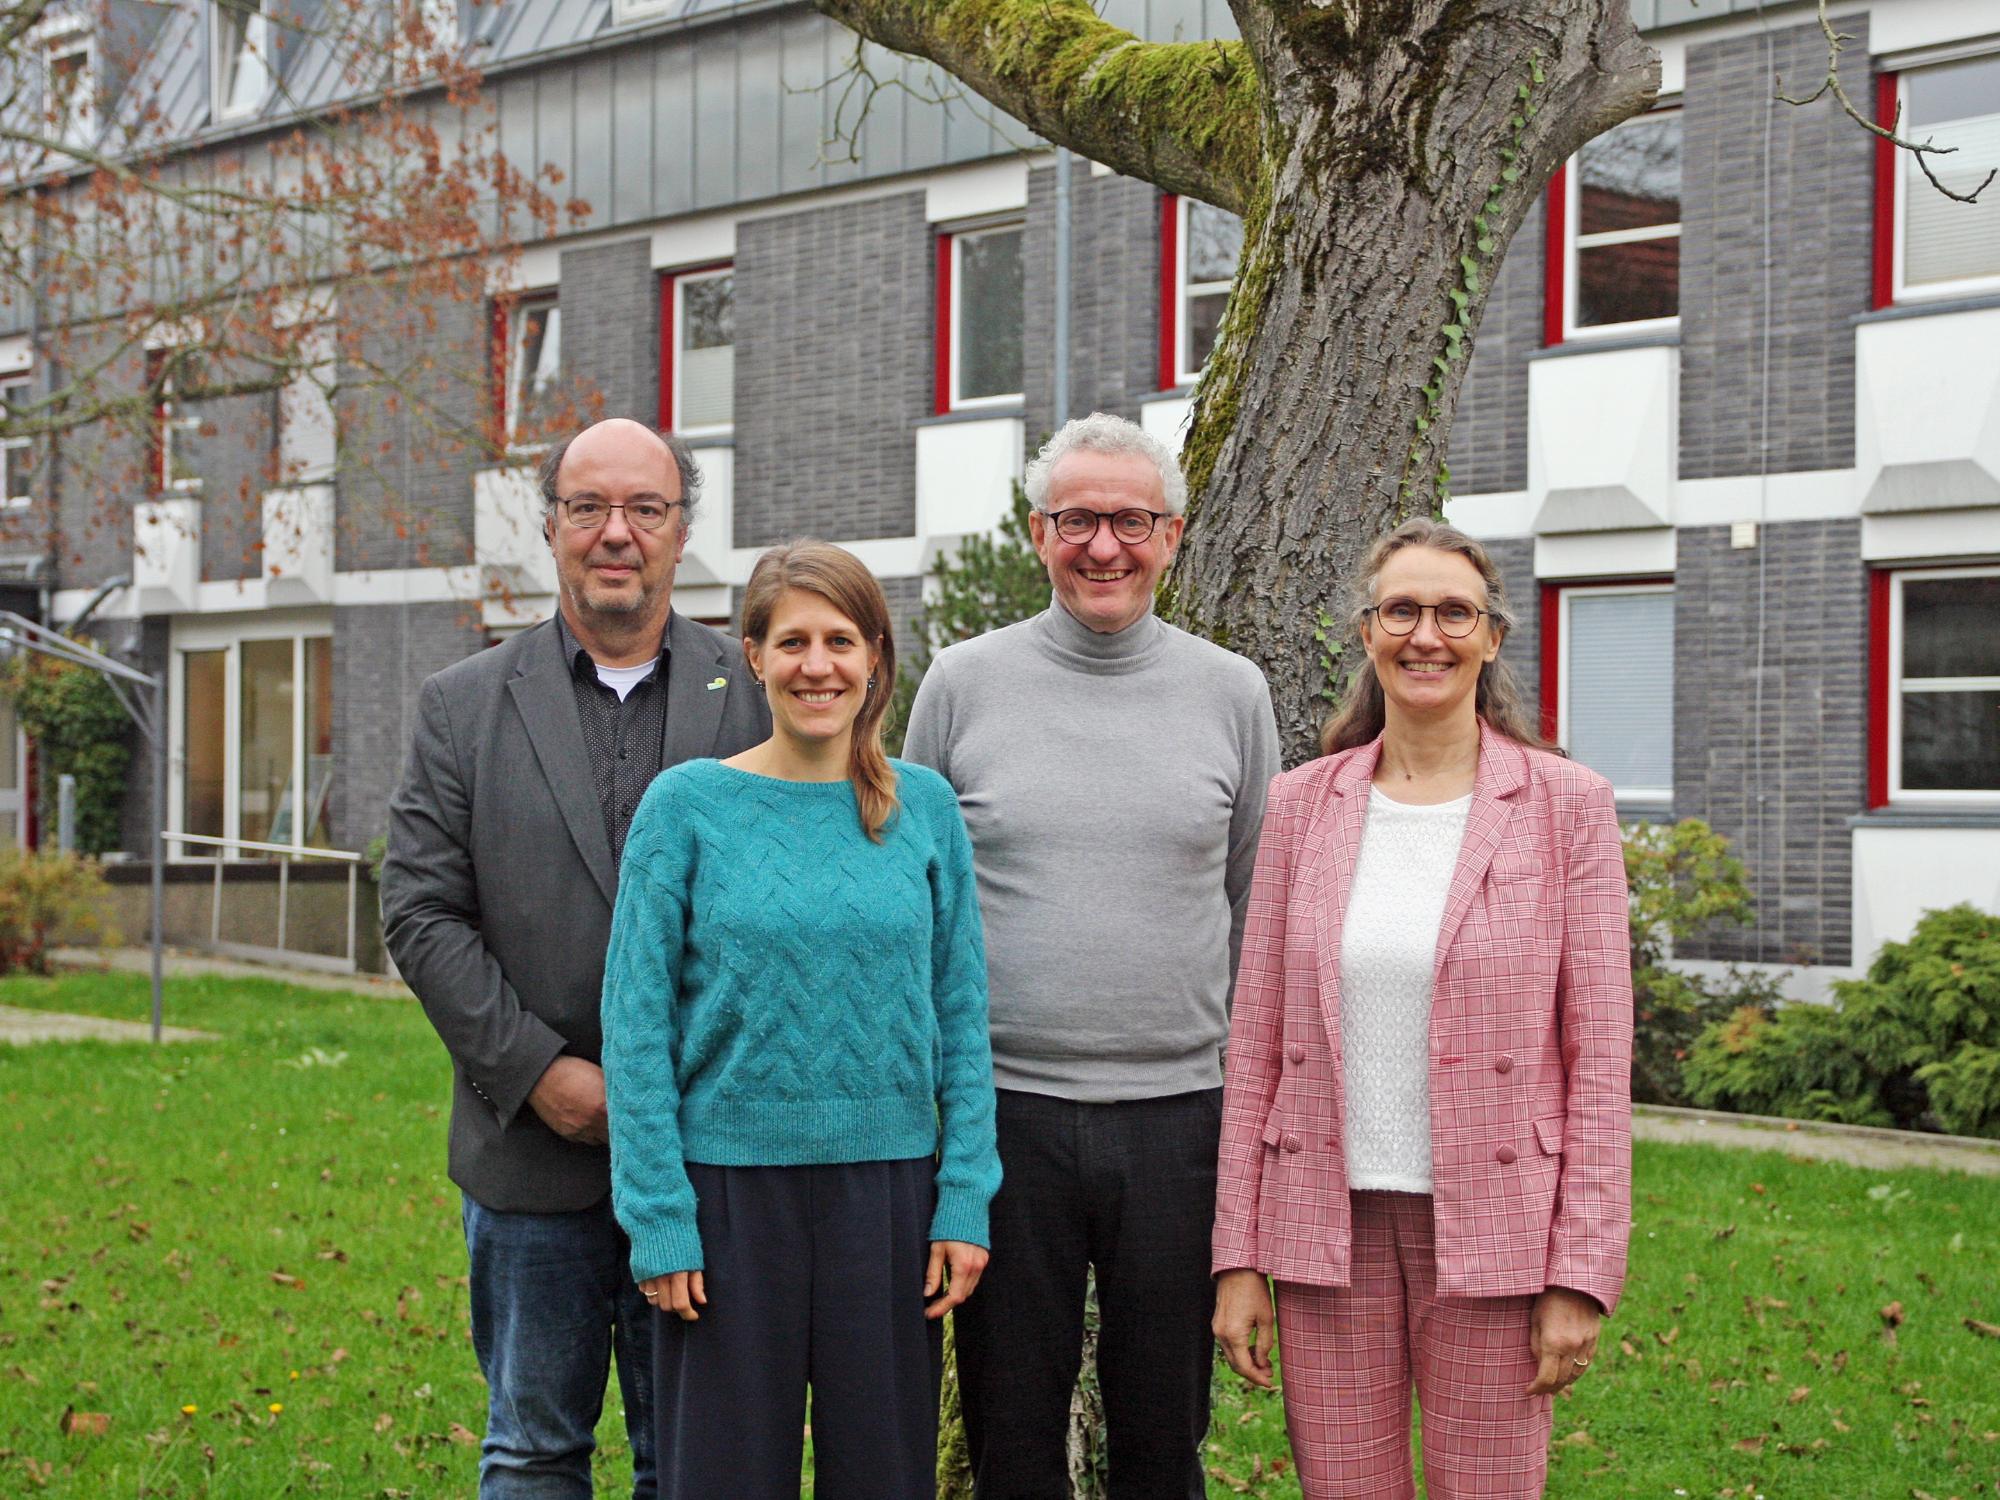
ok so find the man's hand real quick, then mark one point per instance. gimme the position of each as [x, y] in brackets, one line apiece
[1244, 1324]
[1563, 1337]
[569, 1097]
[965, 1262]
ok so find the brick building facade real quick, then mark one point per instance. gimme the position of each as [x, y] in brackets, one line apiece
[1720, 520]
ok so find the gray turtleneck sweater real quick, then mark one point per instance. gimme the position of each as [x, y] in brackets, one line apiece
[1113, 786]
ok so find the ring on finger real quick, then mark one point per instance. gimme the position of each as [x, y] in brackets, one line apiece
[1581, 1364]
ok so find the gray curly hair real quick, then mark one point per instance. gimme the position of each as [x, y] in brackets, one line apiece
[1101, 432]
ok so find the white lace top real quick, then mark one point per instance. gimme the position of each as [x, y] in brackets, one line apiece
[1388, 952]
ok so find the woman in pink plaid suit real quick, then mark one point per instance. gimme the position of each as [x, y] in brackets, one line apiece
[1426, 1134]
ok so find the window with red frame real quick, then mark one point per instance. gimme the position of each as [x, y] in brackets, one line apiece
[1935, 689]
[1615, 213]
[1929, 245]
[527, 358]
[175, 430]
[1200, 247]
[698, 350]
[1608, 683]
[979, 354]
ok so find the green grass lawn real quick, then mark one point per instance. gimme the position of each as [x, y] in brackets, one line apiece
[260, 1229]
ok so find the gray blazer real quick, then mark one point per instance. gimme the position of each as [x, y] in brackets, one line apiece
[498, 888]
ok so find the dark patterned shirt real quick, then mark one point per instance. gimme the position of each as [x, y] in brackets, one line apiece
[627, 741]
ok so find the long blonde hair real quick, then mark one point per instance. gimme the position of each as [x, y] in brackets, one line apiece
[1360, 715]
[842, 580]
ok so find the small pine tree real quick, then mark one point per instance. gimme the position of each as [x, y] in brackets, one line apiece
[988, 582]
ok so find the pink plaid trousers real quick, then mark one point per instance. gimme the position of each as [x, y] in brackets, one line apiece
[1349, 1356]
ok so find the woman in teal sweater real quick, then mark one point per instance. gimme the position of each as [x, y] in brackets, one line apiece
[797, 1070]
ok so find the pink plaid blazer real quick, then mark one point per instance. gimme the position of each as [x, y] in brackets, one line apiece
[1531, 1036]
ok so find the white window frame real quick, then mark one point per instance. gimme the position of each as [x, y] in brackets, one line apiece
[168, 420]
[1898, 796]
[1930, 291]
[220, 635]
[1574, 241]
[958, 238]
[256, 48]
[64, 36]
[10, 380]
[517, 317]
[1644, 798]
[682, 279]
[1186, 372]
[307, 396]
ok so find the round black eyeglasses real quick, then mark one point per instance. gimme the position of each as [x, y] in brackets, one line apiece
[1453, 617]
[647, 515]
[1130, 525]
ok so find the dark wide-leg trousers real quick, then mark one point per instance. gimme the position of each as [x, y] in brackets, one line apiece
[815, 1278]
[1129, 1189]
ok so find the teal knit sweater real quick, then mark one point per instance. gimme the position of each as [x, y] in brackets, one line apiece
[781, 990]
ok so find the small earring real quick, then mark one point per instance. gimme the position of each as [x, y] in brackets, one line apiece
[871, 684]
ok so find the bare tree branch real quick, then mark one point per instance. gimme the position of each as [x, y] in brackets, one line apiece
[1831, 84]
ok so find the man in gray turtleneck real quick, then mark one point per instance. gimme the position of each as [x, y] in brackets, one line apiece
[1112, 772]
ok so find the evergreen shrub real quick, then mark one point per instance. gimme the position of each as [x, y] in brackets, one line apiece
[1916, 1044]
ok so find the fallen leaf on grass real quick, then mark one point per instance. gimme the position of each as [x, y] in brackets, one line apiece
[1892, 1318]
[1984, 1330]
[76, 1423]
[464, 1436]
[1749, 1445]
[1799, 1393]
[1578, 1439]
[1667, 1339]
[290, 1283]
[384, 1422]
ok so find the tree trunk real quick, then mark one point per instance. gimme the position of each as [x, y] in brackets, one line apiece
[1402, 152]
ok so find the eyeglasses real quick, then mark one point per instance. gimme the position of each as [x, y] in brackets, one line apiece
[1453, 617]
[647, 515]
[1129, 525]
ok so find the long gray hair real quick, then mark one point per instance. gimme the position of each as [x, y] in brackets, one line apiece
[1497, 699]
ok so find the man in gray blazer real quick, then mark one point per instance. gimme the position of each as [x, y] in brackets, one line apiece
[525, 767]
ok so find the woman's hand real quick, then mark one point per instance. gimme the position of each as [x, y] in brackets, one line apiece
[1244, 1324]
[1563, 1336]
[677, 1292]
[965, 1262]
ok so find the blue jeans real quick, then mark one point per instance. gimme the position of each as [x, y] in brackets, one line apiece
[552, 1294]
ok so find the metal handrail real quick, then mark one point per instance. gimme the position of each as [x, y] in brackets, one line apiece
[290, 851]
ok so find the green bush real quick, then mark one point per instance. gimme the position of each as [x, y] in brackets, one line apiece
[44, 897]
[1683, 879]
[1916, 1044]
[79, 727]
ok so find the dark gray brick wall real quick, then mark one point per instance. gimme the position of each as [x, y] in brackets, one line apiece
[1489, 432]
[1114, 324]
[143, 643]
[1522, 650]
[381, 656]
[1775, 756]
[611, 329]
[236, 461]
[410, 437]
[1820, 173]
[100, 474]
[834, 314]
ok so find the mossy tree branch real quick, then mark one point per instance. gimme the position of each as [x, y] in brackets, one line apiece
[1186, 116]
